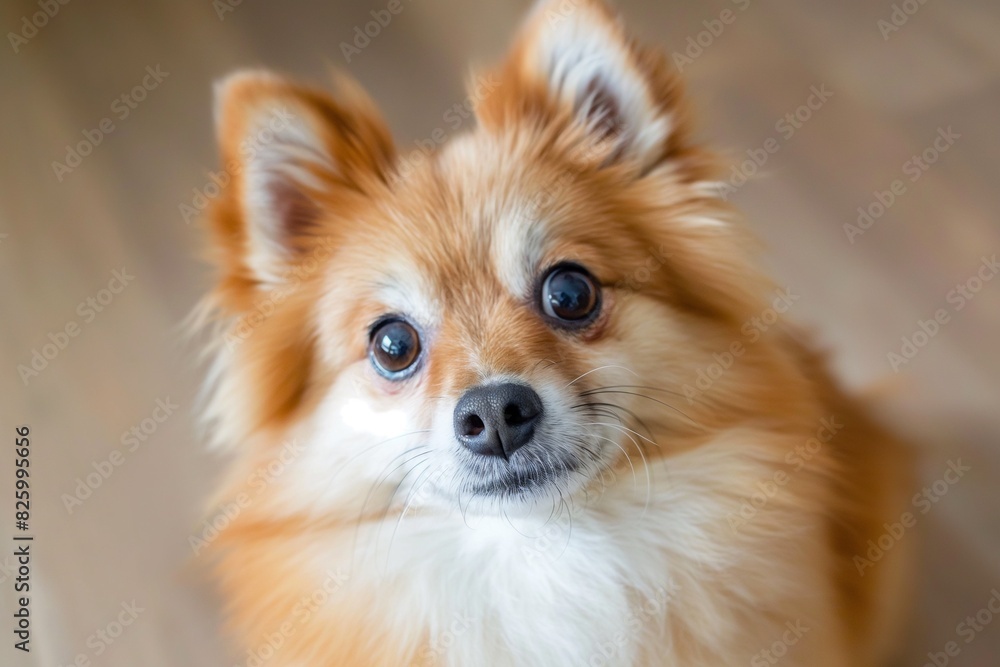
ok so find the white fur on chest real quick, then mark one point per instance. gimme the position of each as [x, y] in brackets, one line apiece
[623, 579]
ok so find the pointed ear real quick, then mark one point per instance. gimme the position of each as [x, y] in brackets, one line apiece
[573, 64]
[295, 159]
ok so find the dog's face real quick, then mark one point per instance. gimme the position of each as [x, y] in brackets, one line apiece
[503, 321]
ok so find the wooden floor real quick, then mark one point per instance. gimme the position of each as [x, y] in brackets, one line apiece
[63, 236]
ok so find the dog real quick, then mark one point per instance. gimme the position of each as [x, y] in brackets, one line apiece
[525, 400]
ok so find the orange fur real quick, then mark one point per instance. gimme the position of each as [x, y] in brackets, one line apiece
[441, 227]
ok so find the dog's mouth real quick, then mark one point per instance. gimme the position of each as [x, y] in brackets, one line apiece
[525, 473]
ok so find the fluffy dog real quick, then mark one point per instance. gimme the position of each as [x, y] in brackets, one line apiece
[510, 403]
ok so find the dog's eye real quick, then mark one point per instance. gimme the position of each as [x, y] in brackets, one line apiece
[570, 295]
[394, 348]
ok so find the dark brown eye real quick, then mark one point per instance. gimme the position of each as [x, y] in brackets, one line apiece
[570, 295]
[394, 349]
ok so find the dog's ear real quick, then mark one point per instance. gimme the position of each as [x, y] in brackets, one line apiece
[294, 159]
[573, 63]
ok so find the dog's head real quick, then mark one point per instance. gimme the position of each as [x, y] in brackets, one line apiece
[504, 318]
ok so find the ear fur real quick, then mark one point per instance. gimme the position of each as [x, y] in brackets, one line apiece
[295, 158]
[574, 67]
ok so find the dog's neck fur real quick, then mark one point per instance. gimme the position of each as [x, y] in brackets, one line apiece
[627, 573]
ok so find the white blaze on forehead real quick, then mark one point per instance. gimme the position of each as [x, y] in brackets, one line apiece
[504, 211]
[519, 243]
[407, 292]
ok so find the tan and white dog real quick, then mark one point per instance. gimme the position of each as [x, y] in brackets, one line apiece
[506, 406]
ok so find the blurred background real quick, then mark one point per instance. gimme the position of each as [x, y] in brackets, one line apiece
[878, 208]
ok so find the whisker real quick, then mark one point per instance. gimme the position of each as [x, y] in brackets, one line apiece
[601, 368]
[569, 515]
[368, 450]
[550, 471]
[371, 491]
[593, 409]
[392, 496]
[634, 386]
[635, 479]
[384, 476]
[649, 398]
[510, 523]
[620, 427]
[406, 506]
[540, 361]
[631, 414]
[671, 392]
[645, 462]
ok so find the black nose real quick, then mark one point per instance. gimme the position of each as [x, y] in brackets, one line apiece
[497, 420]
